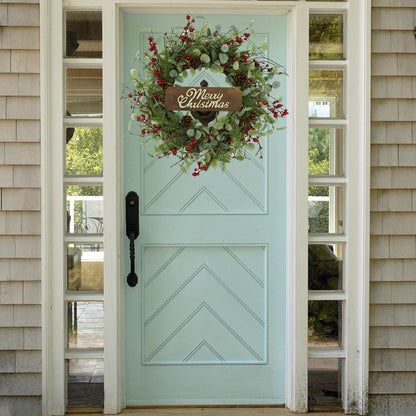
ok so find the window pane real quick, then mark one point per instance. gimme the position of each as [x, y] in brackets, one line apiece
[326, 151]
[324, 323]
[326, 209]
[83, 34]
[326, 94]
[84, 151]
[325, 266]
[326, 36]
[324, 382]
[85, 382]
[85, 267]
[84, 92]
[85, 325]
[85, 209]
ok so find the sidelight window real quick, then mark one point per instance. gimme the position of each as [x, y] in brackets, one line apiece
[84, 213]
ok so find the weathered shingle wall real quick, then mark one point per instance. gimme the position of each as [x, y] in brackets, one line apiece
[393, 216]
[20, 279]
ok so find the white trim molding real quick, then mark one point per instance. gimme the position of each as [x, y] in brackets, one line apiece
[356, 123]
[53, 380]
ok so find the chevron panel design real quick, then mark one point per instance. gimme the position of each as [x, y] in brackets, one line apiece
[204, 305]
[166, 190]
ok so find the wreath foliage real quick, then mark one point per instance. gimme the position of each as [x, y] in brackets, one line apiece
[230, 134]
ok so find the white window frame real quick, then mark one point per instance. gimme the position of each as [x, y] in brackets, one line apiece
[357, 150]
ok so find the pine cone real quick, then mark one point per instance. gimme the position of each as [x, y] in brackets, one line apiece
[187, 121]
[195, 62]
[240, 79]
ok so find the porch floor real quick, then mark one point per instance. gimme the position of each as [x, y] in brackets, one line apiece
[210, 411]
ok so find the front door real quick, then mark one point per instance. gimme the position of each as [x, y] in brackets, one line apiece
[206, 323]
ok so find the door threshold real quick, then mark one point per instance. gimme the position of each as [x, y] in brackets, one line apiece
[209, 406]
[84, 410]
[206, 411]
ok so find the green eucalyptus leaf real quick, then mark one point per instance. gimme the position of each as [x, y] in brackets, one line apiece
[250, 146]
[236, 66]
[223, 58]
[265, 46]
[198, 135]
[190, 132]
[224, 48]
[276, 84]
[205, 58]
[218, 125]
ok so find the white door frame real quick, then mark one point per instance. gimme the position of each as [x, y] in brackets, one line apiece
[52, 114]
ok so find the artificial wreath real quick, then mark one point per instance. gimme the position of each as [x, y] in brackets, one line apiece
[230, 134]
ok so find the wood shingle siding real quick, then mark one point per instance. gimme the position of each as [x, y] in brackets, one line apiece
[393, 210]
[20, 280]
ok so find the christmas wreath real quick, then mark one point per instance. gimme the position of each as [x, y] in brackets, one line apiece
[229, 134]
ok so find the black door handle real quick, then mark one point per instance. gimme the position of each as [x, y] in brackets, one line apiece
[132, 232]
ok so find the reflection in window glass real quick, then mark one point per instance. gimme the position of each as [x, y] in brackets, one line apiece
[326, 36]
[324, 323]
[326, 151]
[84, 151]
[325, 266]
[326, 94]
[85, 209]
[324, 382]
[85, 267]
[85, 382]
[84, 92]
[326, 209]
[83, 34]
[85, 325]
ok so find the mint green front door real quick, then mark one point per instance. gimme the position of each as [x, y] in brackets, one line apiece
[206, 323]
